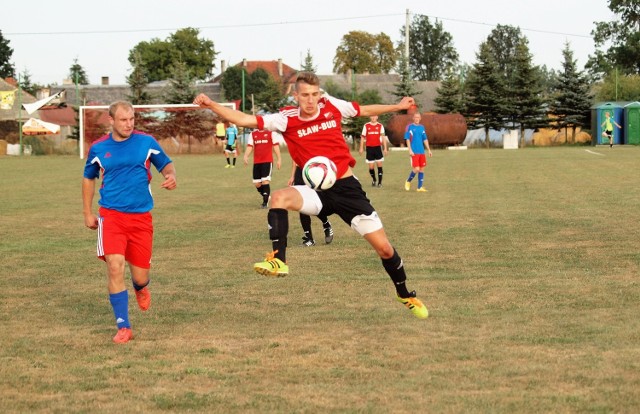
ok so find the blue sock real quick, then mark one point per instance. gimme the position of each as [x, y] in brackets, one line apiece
[120, 304]
[420, 179]
[411, 175]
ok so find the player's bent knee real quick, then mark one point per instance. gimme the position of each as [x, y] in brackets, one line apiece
[366, 224]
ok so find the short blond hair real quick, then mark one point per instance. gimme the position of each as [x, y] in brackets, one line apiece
[119, 104]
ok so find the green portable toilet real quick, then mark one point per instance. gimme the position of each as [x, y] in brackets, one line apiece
[616, 112]
[632, 123]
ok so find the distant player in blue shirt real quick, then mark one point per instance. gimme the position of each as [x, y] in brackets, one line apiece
[124, 223]
[416, 138]
[230, 147]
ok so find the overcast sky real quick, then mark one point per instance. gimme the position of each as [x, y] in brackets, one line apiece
[46, 36]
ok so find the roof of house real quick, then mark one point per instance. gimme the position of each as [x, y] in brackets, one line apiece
[59, 116]
[271, 66]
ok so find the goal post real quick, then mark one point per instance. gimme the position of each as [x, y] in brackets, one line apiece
[179, 128]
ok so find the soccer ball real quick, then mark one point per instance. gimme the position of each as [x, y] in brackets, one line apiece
[319, 173]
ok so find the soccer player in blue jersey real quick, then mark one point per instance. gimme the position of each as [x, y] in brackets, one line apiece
[230, 147]
[416, 137]
[124, 223]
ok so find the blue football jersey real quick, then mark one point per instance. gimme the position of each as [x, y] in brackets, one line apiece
[126, 171]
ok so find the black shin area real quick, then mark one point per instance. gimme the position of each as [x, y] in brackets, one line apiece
[305, 222]
[395, 270]
[278, 219]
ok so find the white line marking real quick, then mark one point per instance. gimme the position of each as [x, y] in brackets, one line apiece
[594, 153]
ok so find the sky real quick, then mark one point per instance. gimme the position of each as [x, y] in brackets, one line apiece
[47, 36]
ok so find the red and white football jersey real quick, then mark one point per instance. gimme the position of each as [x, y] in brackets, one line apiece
[262, 143]
[321, 135]
[373, 133]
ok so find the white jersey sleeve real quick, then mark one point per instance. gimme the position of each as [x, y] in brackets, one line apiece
[364, 130]
[346, 108]
[275, 122]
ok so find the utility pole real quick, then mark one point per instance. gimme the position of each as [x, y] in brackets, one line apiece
[20, 115]
[406, 35]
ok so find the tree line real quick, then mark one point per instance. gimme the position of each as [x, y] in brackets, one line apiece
[501, 89]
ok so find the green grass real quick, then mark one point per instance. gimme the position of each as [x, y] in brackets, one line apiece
[528, 261]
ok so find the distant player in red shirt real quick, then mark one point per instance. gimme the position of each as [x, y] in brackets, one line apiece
[262, 144]
[314, 128]
[376, 142]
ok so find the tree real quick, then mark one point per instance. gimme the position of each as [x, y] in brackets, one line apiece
[160, 56]
[406, 86]
[181, 89]
[431, 51]
[267, 92]
[485, 104]
[548, 80]
[308, 65]
[617, 42]
[77, 73]
[232, 83]
[526, 93]
[7, 69]
[503, 43]
[26, 85]
[450, 94]
[362, 52]
[618, 87]
[137, 82]
[572, 102]
[181, 85]
[334, 90]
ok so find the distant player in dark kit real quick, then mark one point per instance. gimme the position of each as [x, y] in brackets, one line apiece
[124, 223]
[376, 144]
[313, 128]
[265, 146]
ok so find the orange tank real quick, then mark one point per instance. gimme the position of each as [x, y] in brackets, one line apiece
[442, 129]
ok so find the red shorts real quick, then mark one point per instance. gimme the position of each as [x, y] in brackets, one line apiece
[128, 234]
[418, 160]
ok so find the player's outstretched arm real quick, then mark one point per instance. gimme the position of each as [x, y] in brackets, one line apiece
[378, 109]
[231, 115]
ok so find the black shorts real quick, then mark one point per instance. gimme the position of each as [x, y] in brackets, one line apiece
[374, 154]
[297, 177]
[347, 199]
[230, 148]
[262, 171]
[608, 133]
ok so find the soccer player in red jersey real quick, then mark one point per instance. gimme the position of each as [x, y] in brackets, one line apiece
[376, 143]
[314, 128]
[262, 144]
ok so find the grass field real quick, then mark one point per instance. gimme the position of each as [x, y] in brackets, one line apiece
[528, 261]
